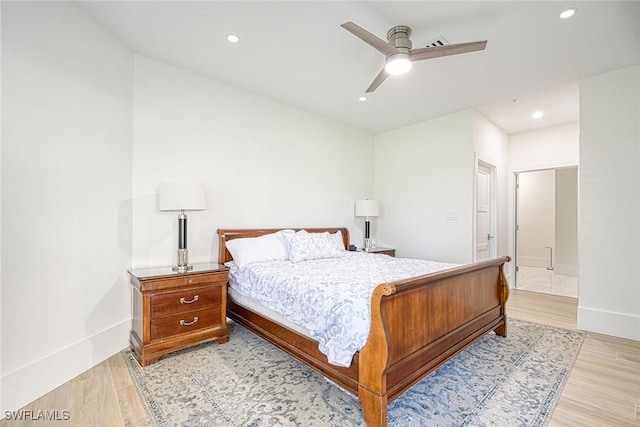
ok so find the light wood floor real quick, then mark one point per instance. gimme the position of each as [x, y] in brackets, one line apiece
[603, 388]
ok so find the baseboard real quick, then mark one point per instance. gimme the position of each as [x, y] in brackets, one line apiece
[622, 325]
[26, 384]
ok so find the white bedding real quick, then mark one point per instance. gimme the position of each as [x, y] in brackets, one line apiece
[256, 307]
[329, 297]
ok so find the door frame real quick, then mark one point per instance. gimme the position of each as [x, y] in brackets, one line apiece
[481, 160]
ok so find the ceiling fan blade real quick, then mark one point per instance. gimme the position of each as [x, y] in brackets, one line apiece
[382, 75]
[451, 49]
[369, 38]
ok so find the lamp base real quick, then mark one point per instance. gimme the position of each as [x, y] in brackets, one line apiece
[183, 262]
[369, 244]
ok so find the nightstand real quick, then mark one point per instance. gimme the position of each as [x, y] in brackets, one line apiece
[380, 250]
[172, 310]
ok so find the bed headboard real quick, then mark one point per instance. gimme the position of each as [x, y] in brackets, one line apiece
[229, 234]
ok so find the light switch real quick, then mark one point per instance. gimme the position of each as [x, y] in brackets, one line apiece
[452, 216]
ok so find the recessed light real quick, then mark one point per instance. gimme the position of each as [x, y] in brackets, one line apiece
[537, 114]
[362, 98]
[232, 38]
[568, 13]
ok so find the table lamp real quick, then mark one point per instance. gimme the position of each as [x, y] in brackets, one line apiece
[367, 208]
[182, 197]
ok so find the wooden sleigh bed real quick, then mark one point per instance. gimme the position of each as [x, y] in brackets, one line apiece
[417, 324]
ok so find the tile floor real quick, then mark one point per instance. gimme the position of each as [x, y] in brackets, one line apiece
[539, 279]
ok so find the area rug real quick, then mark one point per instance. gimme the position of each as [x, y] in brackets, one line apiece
[512, 381]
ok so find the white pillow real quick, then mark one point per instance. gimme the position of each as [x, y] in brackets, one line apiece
[251, 249]
[305, 246]
[337, 238]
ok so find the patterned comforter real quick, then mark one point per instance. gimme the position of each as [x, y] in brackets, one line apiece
[330, 297]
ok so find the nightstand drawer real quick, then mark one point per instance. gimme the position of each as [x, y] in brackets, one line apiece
[182, 301]
[185, 322]
[183, 281]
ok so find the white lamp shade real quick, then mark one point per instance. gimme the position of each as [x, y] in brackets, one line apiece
[181, 196]
[366, 208]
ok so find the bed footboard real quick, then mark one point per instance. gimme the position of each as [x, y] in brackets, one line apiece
[419, 323]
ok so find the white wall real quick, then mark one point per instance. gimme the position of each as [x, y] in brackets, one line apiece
[66, 189]
[565, 252]
[609, 271]
[424, 172]
[546, 148]
[536, 217]
[424, 176]
[490, 144]
[264, 164]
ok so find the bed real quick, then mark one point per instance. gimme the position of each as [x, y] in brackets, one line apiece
[416, 325]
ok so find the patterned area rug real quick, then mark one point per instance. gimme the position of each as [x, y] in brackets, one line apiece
[513, 381]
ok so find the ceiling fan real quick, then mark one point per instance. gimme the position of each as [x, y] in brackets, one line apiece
[398, 52]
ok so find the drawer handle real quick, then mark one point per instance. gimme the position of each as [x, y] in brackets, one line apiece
[183, 323]
[184, 301]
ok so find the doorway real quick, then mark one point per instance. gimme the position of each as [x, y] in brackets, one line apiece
[546, 231]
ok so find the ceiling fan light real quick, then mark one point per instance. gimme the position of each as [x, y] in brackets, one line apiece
[398, 64]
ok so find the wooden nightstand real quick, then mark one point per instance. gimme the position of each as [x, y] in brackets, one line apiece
[172, 310]
[380, 250]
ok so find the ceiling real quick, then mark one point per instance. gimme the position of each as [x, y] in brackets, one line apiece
[297, 53]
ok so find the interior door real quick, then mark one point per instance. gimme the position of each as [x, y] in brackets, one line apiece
[485, 241]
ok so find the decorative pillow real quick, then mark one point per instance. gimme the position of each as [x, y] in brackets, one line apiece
[305, 246]
[264, 248]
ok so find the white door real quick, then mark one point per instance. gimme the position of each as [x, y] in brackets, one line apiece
[485, 241]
